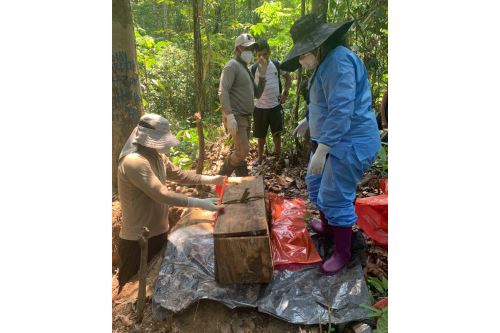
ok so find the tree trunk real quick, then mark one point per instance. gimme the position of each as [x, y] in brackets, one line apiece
[297, 99]
[332, 6]
[320, 8]
[206, 67]
[299, 76]
[218, 18]
[302, 147]
[127, 103]
[178, 15]
[164, 19]
[198, 83]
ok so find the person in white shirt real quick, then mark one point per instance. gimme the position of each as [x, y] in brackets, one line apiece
[268, 110]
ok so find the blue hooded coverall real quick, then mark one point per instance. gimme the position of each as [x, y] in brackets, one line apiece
[341, 117]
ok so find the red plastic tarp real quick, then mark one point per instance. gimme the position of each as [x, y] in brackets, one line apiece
[373, 215]
[291, 243]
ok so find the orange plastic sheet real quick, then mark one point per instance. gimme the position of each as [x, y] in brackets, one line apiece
[291, 244]
[373, 215]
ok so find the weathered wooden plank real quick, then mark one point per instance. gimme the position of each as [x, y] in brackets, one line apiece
[243, 219]
[242, 249]
[243, 260]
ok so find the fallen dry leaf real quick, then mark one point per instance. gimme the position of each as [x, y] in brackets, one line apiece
[125, 320]
[282, 181]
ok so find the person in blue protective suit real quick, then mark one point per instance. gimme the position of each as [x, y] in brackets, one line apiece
[342, 125]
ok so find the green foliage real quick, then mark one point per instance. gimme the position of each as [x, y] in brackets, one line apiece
[382, 317]
[382, 162]
[184, 155]
[378, 286]
[368, 37]
[166, 83]
[383, 322]
[274, 16]
[164, 36]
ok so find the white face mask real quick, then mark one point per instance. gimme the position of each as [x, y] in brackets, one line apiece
[246, 56]
[308, 61]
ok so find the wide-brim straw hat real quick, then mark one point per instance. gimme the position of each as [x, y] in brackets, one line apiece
[308, 33]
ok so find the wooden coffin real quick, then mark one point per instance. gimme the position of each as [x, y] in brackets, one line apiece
[241, 237]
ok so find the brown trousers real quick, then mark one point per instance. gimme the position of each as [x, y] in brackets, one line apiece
[130, 256]
[241, 141]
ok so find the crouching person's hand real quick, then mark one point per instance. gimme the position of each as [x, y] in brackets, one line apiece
[206, 204]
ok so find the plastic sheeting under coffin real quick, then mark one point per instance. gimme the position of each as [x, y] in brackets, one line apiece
[300, 297]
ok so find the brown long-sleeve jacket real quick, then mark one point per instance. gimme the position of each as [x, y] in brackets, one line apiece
[144, 197]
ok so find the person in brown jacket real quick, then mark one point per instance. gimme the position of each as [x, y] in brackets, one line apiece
[144, 197]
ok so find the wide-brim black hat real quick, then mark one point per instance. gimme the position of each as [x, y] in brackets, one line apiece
[308, 33]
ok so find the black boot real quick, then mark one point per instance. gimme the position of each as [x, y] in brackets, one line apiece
[226, 169]
[241, 171]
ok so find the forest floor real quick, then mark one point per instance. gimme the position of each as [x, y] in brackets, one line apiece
[210, 316]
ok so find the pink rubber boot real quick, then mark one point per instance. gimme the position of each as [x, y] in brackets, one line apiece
[321, 226]
[341, 253]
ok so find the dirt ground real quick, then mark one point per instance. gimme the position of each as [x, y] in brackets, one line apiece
[210, 316]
